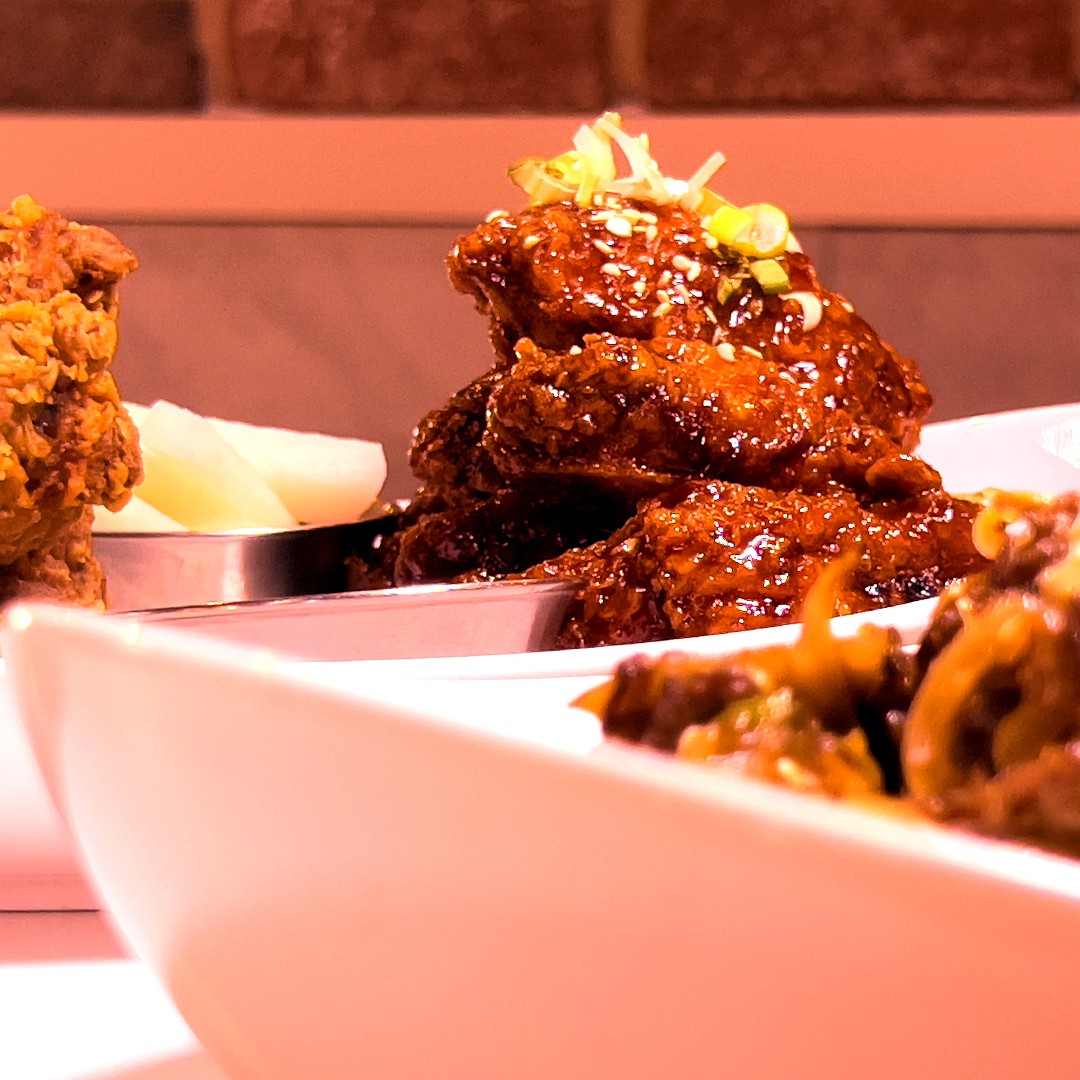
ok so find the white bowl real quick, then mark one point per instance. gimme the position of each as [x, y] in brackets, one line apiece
[339, 883]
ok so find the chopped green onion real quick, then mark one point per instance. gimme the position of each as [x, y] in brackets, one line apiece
[770, 275]
[540, 183]
[767, 233]
[728, 223]
[590, 171]
[728, 289]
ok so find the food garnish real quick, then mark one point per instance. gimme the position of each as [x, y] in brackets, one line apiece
[589, 173]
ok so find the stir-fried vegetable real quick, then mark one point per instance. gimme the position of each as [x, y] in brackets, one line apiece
[979, 725]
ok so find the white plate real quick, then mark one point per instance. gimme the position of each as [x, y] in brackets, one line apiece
[335, 885]
[1031, 449]
[1027, 449]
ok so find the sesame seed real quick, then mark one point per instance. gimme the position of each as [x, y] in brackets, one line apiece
[619, 226]
[603, 215]
[847, 305]
[649, 216]
[683, 292]
[530, 242]
[665, 277]
[753, 352]
[496, 214]
[575, 350]
[663, 296]
[612, 270]
[694, 272]
[651, 233]
[711, 315]
[718, 335]
[639, 287]
[681, 262]
[726, 349]
[604, 249]
[711, 242]
[661, 310]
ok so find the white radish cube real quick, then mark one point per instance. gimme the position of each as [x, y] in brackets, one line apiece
[322, 479]
[196, 477]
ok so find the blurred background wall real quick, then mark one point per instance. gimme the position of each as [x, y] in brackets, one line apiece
[348, 325]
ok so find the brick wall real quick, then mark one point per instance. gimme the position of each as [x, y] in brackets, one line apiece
[484, 56]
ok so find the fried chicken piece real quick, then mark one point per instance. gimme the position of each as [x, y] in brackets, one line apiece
[66, 441]
[638, 416]
[67, 571]
[43, 255]
[447, 455]
[639, 357]
[540, 274]
[497, 536]
[558, 272]
[709, 557]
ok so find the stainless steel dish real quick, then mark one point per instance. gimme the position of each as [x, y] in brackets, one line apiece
[473, 619]
[286, 591]
[166, 570]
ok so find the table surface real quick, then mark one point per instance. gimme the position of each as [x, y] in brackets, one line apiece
[74, 1005]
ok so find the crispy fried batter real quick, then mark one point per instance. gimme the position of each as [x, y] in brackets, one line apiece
[66, 441]
[66, 571]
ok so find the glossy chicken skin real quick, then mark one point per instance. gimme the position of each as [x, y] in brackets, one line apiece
[709, 557]
[555, 273]
[638, 416]
[704, 447]
[501, 535]
[642, 415]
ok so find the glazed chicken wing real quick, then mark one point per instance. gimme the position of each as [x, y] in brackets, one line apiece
[708, 557]
[642, 415]
[556, 273]
[636, 417]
